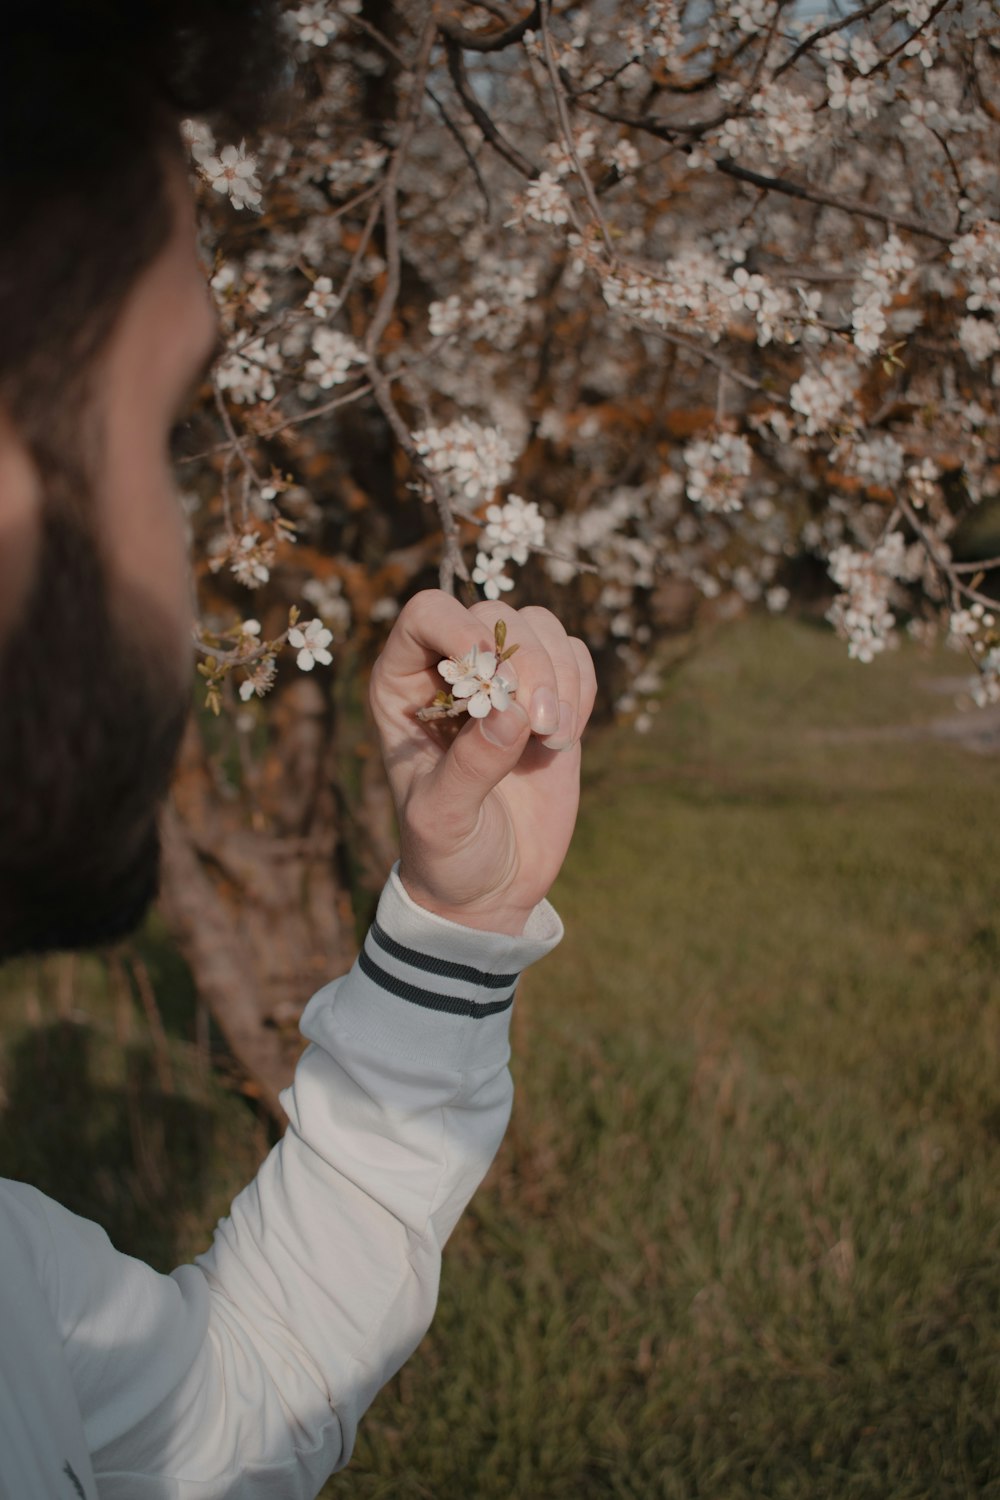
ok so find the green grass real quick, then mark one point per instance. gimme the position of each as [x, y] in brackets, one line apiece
[743, 1237]
[139, 1134]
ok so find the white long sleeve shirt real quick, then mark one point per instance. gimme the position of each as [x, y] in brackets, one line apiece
[246, 1373]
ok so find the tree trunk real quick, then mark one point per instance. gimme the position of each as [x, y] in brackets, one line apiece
[251, 886]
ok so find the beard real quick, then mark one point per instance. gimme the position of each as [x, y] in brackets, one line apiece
[93, 705]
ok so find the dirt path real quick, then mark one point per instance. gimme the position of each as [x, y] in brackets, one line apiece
[974, 729]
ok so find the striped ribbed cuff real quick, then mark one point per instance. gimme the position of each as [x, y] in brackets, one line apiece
[425, 986]
[422, 979]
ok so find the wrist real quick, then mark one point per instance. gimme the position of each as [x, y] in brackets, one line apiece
[484, 916]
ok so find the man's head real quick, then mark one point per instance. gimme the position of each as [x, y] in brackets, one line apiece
[105, 327]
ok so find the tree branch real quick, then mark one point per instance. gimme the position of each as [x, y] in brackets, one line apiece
[452, 562]
[489, 41]
[828, 200]
[567, 130]
[491, 134]
[828, 30]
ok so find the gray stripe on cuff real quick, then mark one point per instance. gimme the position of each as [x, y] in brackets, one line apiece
[454, 1005]
[443, 967]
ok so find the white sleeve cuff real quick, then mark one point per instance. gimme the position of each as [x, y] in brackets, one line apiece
[430, 990]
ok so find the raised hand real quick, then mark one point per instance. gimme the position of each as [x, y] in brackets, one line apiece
[485, 819]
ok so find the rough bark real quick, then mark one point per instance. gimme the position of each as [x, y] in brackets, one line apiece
[252, 890]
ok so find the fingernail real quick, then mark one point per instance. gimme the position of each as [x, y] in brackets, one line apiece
[563, 737]
[505, 728]
[544, 711]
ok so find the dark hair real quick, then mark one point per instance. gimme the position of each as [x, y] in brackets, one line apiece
[93, 719]
[91, 96]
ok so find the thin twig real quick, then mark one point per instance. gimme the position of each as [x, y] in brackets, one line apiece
[235, 441]
[929, 543]
[563, 557]
[567, 130]
[491, 134]
[354, 269]
[452, 563]
[680, 342]
[891, 56]
[347, 399]
[827, 200]
[833, 26]
[463, 145]
[490, 41]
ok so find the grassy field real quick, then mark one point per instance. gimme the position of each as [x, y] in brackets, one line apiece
[743, 1238]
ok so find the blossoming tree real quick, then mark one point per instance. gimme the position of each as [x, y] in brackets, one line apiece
[617, 307]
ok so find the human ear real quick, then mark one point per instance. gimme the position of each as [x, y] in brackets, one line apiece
[20, 506]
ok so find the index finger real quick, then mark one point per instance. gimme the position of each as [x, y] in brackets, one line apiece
[433, 626]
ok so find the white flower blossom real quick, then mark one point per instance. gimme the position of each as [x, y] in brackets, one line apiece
[861, 613]
[962, 624]
[514, 529]
[544, 201]
[326, 597]
[322, 301]
[481, 679]
[690, 291]
[822, 398]
[473, 460]
[384, 609]
[832, 48]
[234, 171]
[311, 641]
[923, 480]
[858, 96]
[869, 324]
[719, 468]
[864, 54]
[248, 371]
[879, 460]
[987, 689]
[200, 140]
[979, 338]
[444, 318]
[335, 354]
[259, 679]
[489, 574]
[316, 22]
[251, 559]
[624, 158]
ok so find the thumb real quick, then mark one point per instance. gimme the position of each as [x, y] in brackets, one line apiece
[480, 757]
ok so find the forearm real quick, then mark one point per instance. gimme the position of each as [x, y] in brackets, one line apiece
[324, 1277]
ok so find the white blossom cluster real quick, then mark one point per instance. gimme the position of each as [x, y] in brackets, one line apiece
[471, 459]
[718, 471]
[544, 201]
[335, 354]
[780, 126]
[249, 555]
[687, 293]
[883, 274]
[317, 22]
[232, 170]
[976, 257]
[512, 531]
[822, 397]
[499, 307]
[719, 295]
[247, 372]
[861, 613]
[986, 688]
[660, 31]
